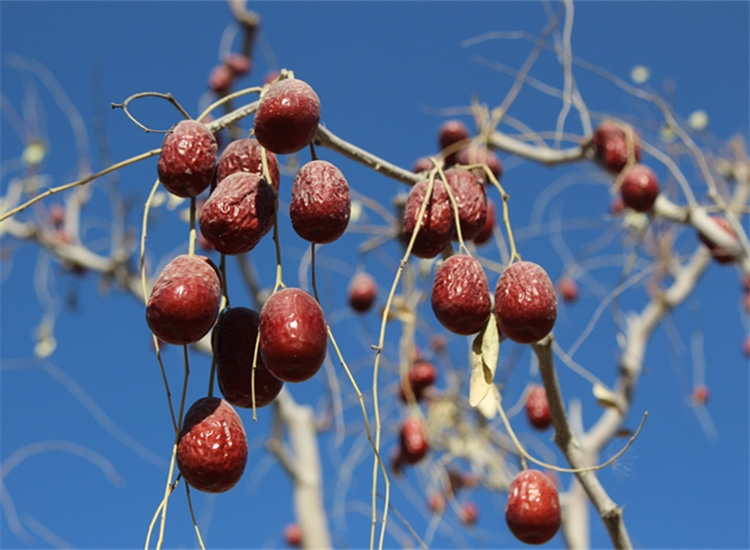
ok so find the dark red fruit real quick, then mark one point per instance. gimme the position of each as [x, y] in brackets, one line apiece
[293, 338]
[421, 375]
[184, 302]
[461, 295]
[221, 78]
[293, 535]
[238, 213]
[611, 145]
[234, 346]
[526, 303]
[469, 513]
[719, 254]
[452, 131]
[212, 450]
[568, 289]
[320, 204]
[471, 201]
[437, 228]
[187, 163]
[537, 408]
[244, 155]
[413, 440]
[238, 63]
[485, 233]
[481, 155]
[287, 117]
[639, 188]
[362, 292]
[533, 508]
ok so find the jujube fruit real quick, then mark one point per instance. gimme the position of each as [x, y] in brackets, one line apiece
[362, 292]
[293, 338]
[212, 449]
[471, 201]
[244, 155]
[234, 347]
[187, 162]
[287, 117]
[532, 511]
[568, 289]
[477, 154]
[420, 376]
[639, 188]
[526, 303]
[184, 302]
[320, 205]
[612, 148]
[537, 408]
[437, 228]
[238, 213]
[413, 442]
[460, 295]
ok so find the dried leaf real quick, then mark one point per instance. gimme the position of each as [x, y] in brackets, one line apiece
[606, 397]
[484, 353]
[488, 406]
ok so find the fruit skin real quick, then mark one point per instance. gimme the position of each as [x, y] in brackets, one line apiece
[471, 201]
[221, 78]
[187, 162]
[413, 441]
[611, 146]
[293, 338]
[287, 117]
[212, 449]
[437, 228]
[184, 302]
[320, 206]
[532, 511]
[238, 63]
[719, 254]
[490, 220]
[421, 375]
[362, 292]
[461, 296]
[452, 131]
[526, 302]
[476, 154]
[244, 155]
[537, 408]
[469, 513]
[639, 188]
[234, 345]
[238, 214]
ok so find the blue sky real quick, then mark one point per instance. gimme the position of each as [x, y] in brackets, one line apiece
[387, 74]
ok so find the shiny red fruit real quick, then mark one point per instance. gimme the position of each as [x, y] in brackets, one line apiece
[238, 214]
[184, 302]
[234, 346]
[611, 145]
[486, 232]
[719, 254]
[362, 292]
[212, 449]
[533, 508]
[639, 188]
[437, 228]
[320, 206]
[244, 155]
[526, 302]
[537, 408]
[287, 117]
[421, 375]
[413, 440]
[187, 162]
[293, 338]
[461, 295]
[471, 201]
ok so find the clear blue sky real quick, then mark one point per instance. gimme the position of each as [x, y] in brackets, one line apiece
[383, 71]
